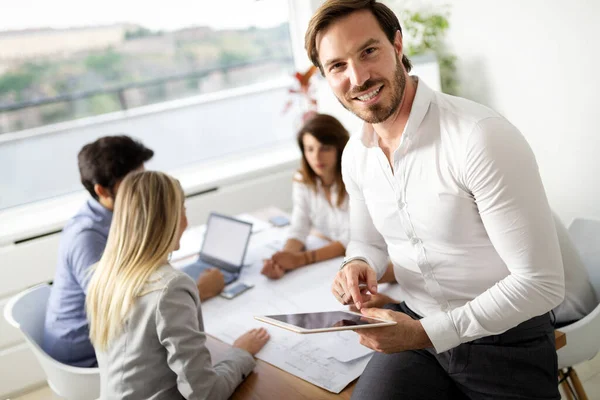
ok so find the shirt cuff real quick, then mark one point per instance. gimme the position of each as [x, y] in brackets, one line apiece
[441, 331]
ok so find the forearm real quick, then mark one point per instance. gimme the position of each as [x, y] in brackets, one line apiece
[375, 256]
[332, 250]
[293, 245]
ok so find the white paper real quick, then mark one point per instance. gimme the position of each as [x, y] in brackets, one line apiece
[344, 346]
[329, 360]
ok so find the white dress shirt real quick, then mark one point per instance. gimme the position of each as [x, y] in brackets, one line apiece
[463, 215]
[311, 210]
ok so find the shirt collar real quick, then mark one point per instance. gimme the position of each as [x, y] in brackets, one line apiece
[100, 210]
[320, 184]
[423, 97]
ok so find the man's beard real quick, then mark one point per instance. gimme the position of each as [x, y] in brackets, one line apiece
[378, 113]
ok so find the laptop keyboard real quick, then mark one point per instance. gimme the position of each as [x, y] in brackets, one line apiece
[195, 269]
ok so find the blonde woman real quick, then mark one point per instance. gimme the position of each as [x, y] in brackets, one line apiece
[145, 317]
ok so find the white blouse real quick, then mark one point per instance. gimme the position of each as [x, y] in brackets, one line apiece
[311, 210]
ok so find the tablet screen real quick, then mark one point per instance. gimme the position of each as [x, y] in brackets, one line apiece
[330, 319]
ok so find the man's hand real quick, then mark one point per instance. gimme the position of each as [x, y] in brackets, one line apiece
[373, 300]
[345, 286]
[272, 270]
[288, 260]
[210, 283]
[407, 334]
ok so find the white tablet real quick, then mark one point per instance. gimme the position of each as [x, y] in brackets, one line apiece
[327, 321]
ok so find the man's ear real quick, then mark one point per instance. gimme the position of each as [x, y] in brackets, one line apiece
[102, 192]
[398, 45]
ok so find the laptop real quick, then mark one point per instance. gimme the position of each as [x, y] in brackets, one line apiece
[225, 243]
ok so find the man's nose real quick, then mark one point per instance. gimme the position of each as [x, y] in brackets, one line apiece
[359, 74]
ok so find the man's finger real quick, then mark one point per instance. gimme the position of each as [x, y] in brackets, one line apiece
[376, 313]
[338, 292]
[372, 280]
[367, 301]
[366, 341]
[352, 287]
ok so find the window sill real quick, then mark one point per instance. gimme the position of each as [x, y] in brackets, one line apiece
[49, 216]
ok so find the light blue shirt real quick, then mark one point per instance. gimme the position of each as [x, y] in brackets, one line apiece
[66, 331]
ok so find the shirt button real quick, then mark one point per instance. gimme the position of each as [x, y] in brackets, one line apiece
[401, 205]
[415, 241]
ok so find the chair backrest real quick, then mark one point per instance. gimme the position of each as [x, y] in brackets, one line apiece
[26, 311]
[586, 237]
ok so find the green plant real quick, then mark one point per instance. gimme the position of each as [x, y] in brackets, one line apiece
[424, 31]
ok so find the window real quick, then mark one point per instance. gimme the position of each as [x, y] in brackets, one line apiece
[86, 63]
[192, 80]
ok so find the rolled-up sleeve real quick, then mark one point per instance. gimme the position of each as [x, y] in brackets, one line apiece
[501, 173]
[179, 331]
[365, 240]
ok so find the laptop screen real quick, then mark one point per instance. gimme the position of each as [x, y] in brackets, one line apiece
[226, 239]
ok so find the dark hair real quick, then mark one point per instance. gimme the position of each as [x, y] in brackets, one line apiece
[333, 10]
[327, 130]
[109, 159]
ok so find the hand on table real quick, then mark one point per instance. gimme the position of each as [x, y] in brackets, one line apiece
[253, 340]
[289, 260]
[210, 283]
[272, 270]
[282, 261]
[407, 334]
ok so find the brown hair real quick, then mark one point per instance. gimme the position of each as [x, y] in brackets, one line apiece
[329, 131]
[109, 159]
[333, 10]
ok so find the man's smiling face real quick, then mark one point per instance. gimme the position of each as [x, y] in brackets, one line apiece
[362, 67]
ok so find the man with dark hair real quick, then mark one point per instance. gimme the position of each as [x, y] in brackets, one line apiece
[451, 192]
[102, 166]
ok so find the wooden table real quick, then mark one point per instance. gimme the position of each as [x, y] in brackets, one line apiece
[269, 382]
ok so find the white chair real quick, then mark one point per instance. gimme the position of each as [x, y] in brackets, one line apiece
[26, 311]
[582, 336]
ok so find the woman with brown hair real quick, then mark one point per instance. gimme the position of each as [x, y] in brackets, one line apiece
[319, 197]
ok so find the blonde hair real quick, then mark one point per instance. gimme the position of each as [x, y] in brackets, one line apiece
[144, 230]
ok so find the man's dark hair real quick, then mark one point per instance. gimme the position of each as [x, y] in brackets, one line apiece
[109, 159]
[333, 10]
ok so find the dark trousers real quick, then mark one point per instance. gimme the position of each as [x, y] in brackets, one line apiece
[521, 363]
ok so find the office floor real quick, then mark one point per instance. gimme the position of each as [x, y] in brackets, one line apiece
[589, 373]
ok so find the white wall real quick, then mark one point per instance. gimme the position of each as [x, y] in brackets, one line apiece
[536, 62]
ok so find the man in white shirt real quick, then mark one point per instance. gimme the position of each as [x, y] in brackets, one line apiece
[451, 191]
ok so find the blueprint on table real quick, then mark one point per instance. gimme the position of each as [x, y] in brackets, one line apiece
[329, 360]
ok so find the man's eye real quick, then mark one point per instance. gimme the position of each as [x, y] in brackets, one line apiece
[337, 66]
